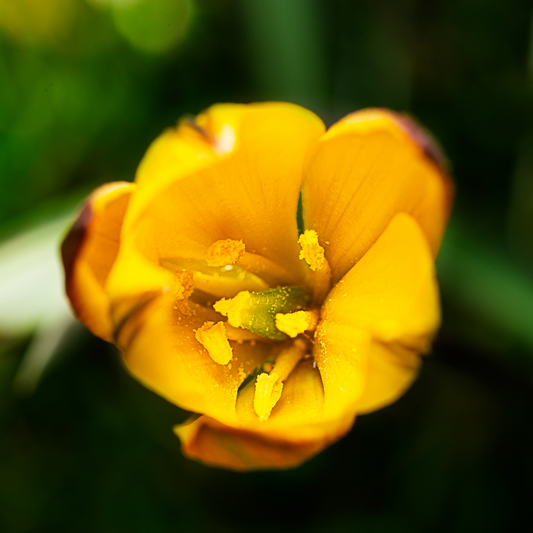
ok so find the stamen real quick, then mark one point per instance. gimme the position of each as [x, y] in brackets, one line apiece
[214, 339]
[292, 324]
[224, 252]
[268, 387]
[313, 254]
[234, 308]
[183, 284]
[289, 357]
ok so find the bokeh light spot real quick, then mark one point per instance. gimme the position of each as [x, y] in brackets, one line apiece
[153, 25]
[38, 22]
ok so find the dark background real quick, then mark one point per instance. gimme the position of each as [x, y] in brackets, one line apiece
[86, 85]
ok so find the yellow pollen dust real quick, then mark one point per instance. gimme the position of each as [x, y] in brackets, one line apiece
[233, 308]
[268, 388]
[224, 252]
[183, 284]
[292, 324]
[214, 339]
[311, 251]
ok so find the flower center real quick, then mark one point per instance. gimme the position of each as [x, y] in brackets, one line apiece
[260, 304]
[257, 311]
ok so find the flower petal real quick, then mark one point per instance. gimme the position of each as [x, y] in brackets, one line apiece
[136, 274]
[385, 310]
[263, 445]
[341, 353]
[216, 444]
[233, 174]
[366, 168]
[294, 432]
[160, 349]
[89, 252]
[391, 371]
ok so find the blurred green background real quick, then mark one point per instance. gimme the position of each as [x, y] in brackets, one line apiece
[86, 85]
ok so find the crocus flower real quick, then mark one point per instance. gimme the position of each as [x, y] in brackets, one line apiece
[276, 339]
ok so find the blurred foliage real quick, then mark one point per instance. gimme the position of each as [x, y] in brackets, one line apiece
[86, 85]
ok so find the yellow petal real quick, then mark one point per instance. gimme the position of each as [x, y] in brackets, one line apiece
[136, 274]
[341, 354]
[392, 292]
[365, 169]
[245, 186]
[89, 252]
[389, 297]
[161, 350]
[293, 433]
[391, 371]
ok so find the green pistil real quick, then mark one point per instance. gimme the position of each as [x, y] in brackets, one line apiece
[256, 311]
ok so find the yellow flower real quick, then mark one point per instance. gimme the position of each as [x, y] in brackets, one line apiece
[278, 340]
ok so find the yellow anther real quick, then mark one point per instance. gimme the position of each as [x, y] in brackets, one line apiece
[224, 252]
[292, 324]
[320, 276]
[311, 250]
[214, 339]
[234, 308]
[268, 388]
[183, 284]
